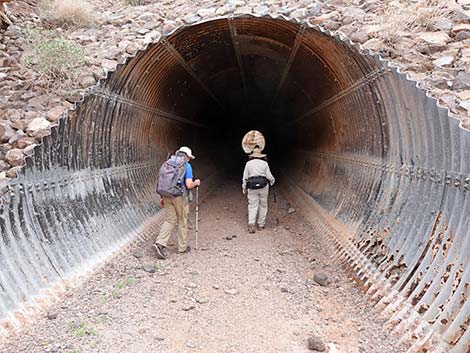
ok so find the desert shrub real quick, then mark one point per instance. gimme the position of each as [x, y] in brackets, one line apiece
[399, 18]
[66, 13]
[56, 59]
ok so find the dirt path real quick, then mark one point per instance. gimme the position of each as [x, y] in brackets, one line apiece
[254, 293]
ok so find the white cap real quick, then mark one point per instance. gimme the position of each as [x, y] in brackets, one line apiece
[187, 151]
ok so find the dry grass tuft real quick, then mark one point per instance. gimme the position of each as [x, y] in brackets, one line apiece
[57, 60]
[66, 13]
[402, 18]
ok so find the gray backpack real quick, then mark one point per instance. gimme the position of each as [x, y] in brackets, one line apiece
[171, 177]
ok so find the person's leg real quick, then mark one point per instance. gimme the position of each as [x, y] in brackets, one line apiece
[253, 202]
[263, 206]
[167, 227]
[182, 211]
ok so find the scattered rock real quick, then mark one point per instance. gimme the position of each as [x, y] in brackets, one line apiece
[19, 124]
[231, 291]
[206, 12]
[25, 142]
[463, 27]
[15, 157]
[291, 210]
[228, 237]
[284, 290]
[192, 285]
[465, 104]
[4, 166]
[108, 65]
[331, 25]
[261, 10]
[192, 18]
[54, 114]
[137, 253]
[353, 14]
[191, 344]
[6, 131]
[52, 315]
[201, 300]
[438, 38]
[39, 101]
[462, 81]
[188, 307]
[299, 13]
[215, 286]
[149, 268]
[444, 61]
[314, 9]
[322, 279]
[315, 343]
[87, 81]
[38, 128]
[13, 172]
[359, 37]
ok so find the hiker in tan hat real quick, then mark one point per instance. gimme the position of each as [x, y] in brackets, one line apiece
[257, 178]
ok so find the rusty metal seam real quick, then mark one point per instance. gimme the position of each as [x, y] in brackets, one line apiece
[172, 50]
[118, 98]
[236, 48]
[297, 42]
[363, 81]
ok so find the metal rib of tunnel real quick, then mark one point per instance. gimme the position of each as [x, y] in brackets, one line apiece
[373, 163]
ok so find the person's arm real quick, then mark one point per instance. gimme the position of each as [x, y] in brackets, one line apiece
[188, 178]
[245, 178]
[191, 184]
[269, 176]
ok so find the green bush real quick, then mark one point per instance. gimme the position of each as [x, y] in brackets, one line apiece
[55, 58]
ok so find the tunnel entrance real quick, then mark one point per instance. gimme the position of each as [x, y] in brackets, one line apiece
[373, 162]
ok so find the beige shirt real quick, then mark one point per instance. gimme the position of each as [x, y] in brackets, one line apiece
[257, 167]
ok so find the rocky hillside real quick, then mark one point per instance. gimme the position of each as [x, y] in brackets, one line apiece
[56, 49]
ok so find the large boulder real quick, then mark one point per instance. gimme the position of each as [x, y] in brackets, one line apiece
[38, 127]
[15, 157]
[6, 131]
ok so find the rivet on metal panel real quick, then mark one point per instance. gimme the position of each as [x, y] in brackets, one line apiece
[448, 179]
[466, 185]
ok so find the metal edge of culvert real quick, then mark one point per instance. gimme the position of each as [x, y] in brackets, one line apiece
[126, 58]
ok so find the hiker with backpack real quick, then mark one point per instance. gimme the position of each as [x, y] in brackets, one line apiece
[257, 179]
[174, 184]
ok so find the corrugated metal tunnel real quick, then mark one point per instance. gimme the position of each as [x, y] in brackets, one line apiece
[369, 159]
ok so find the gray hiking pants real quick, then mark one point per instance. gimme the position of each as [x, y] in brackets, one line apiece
[258, 205]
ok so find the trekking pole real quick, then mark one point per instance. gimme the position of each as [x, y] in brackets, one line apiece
[197, 217]
[275, 206]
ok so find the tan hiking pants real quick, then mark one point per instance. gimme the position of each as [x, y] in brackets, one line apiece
[258, 205]
[176, 211]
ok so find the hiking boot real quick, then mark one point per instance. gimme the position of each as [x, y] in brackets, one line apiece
[260, 227]
[251, 229]
[160, 251]
[188, 249]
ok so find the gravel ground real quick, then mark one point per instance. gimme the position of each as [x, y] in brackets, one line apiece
[239, 293]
